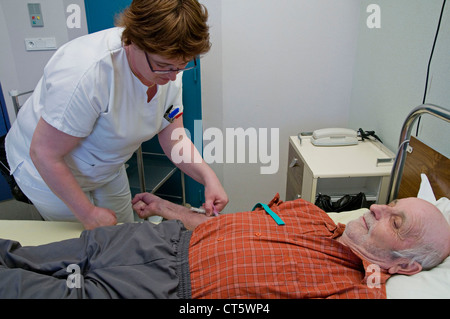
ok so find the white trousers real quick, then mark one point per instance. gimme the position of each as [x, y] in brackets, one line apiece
[115, 195]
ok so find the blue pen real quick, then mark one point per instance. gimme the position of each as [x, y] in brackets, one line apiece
[174, 113]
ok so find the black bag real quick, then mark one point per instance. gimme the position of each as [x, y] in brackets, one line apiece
[5, 170]
[345, 203]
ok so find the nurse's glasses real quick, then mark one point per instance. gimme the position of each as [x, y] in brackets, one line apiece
[170, 70]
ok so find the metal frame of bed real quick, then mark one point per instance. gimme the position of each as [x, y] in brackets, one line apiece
[414, 115]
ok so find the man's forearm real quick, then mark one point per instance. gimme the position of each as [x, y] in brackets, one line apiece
[147, 205]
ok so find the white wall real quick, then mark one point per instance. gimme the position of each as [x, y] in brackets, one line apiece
[390, 70]
[211, 76]
[276, 64]
[435, 132]
[20, 69]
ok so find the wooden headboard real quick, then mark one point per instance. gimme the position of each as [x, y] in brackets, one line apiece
[424, 159]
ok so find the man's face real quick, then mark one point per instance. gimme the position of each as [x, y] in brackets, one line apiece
[385, 228]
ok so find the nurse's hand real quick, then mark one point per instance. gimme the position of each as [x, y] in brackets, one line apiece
[215, 199]
[98, 217]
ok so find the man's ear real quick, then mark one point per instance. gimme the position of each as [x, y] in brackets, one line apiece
[405, 268]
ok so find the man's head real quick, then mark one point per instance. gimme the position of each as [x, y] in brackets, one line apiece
[403, 237]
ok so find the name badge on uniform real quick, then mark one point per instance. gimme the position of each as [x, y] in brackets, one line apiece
[172, 113]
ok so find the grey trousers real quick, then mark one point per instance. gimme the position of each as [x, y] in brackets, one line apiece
[136, 260]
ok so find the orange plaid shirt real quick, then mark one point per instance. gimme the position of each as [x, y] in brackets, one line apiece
[247, 255]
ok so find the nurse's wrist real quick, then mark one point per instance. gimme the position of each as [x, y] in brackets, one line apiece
[83, 210]
[212, 181]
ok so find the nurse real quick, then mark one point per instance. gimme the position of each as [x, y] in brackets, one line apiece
[100, 97]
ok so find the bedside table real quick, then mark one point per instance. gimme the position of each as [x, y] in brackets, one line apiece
[338, 170]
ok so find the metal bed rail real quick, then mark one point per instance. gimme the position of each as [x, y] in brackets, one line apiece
[15, 98]
[397, 169]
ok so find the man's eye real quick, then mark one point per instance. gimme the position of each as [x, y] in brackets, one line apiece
[396, 222]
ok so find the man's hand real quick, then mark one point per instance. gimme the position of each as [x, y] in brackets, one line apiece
[146, 205]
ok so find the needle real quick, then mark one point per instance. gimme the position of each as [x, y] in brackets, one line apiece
[203, 211]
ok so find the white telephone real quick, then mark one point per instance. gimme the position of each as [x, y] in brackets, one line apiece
[334, 137]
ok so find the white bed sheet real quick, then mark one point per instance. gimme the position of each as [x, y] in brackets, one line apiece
[34, 232]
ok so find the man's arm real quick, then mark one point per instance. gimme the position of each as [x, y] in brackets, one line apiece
[147, 205]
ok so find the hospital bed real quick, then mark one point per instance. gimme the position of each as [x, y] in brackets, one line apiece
[418, 171]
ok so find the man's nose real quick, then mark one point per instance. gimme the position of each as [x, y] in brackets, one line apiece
[378, 210]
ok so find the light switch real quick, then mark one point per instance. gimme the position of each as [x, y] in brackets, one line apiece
[36, 19]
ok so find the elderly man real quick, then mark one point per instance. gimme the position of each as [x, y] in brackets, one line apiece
[242, 255]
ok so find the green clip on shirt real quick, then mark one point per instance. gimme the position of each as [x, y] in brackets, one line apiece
[275, 217]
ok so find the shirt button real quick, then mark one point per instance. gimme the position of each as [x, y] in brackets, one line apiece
[258, 234]
[220, 239]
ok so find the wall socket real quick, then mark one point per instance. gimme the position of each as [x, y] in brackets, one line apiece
[40, 44]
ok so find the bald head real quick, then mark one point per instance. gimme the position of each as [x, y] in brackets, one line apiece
[406, 236]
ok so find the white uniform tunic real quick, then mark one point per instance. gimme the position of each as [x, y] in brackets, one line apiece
[88, 90]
